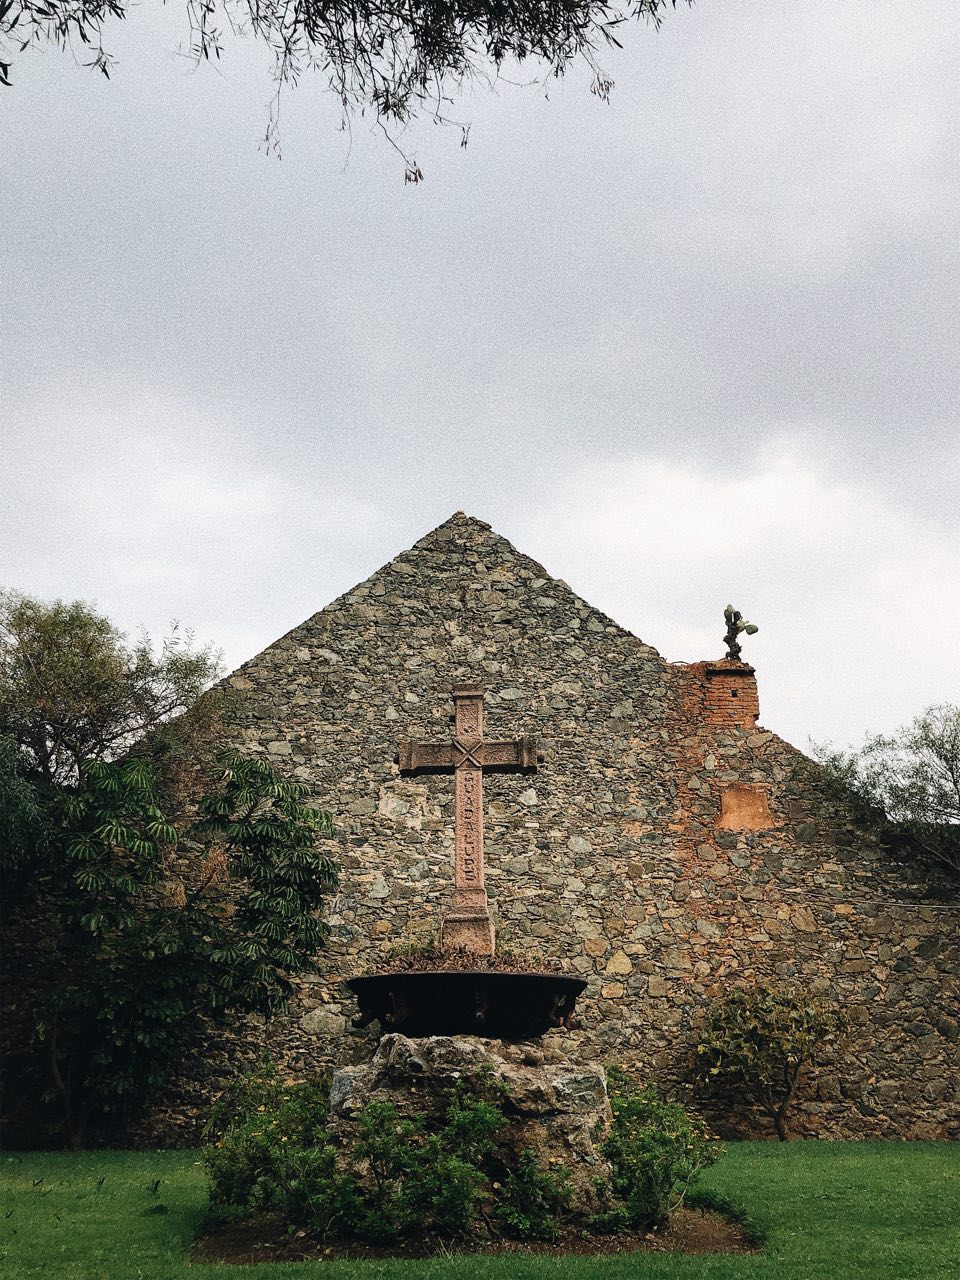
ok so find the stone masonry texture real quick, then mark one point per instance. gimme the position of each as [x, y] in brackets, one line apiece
[619, 856]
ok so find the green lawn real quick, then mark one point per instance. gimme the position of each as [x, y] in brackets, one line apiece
[836, 1211]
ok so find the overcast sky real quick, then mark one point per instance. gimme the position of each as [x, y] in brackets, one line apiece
[698, 345]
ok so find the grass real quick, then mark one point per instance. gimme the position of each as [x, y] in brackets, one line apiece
[829, 1211]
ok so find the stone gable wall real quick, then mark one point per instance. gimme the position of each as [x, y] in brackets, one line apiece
[620, 856]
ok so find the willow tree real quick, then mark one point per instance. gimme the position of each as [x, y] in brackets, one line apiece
[396, 57]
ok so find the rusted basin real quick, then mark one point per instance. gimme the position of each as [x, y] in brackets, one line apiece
[500, 1006]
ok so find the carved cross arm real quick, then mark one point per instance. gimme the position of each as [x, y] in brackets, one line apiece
[425, 757]
[517, 756]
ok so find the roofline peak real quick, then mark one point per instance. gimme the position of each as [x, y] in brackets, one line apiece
[463, 517]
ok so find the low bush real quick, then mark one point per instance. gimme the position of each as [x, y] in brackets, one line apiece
[533, 1199]
[657, 1151]
[410, 1180]
[254, 1129]
[269, 1149]
[756, 1044]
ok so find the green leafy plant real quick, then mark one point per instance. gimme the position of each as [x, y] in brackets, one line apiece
[270, 1149]
[398, 1177]
[23, 822]
[533, 1199]
[267, 1148]
[756, 1044]
[657, 1150]
[737, 626]
[148, 947]
[414, 1181]
[73, 689]
[255, 1117]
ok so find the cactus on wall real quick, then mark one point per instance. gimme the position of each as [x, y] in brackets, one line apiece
[736, 626]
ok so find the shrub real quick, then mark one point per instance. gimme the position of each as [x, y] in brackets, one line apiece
[422, 1181]
[756, 1044]
[533, 1199]
[657, 1151]
[269, 1149]
[254, 1129]
[159, 929]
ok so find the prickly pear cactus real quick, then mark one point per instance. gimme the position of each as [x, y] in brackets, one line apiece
[736, 626]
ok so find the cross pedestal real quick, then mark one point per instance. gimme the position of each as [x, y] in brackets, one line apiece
[468, 926]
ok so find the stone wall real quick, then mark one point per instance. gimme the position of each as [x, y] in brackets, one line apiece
[665, 849]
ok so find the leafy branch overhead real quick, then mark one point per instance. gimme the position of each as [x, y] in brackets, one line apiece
[393, 56]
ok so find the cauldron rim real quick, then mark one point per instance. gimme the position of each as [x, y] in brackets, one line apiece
[562, 978]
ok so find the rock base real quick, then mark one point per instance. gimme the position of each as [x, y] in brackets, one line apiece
[555, 1108]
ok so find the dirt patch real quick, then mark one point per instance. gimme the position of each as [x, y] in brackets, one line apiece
[265, 1239]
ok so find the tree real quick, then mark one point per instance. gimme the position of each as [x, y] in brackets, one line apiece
[756, 1043]
[907, 784]
[152, 946]
[389, 55]
[72, 689]
[136, 915]
[22, 823]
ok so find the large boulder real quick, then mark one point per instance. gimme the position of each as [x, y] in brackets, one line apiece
[556, 1108]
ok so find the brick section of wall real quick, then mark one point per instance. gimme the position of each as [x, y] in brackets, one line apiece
[730, 694]
[611, 857]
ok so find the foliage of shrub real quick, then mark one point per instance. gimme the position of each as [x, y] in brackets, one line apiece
[269, 1149]
[756, 1044]
[533, 1199]
[146, 955]
[256, 1123]
[272, 1151]
[657, 1151]
[418, 1181]
[174, 886]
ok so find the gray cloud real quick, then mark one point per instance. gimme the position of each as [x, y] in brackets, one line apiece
[232, 386]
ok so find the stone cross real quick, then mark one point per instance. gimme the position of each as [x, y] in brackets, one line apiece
[468, 925]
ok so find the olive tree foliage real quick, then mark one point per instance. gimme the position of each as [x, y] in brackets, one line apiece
[907, 784]
[395, 57]
[73, 689]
